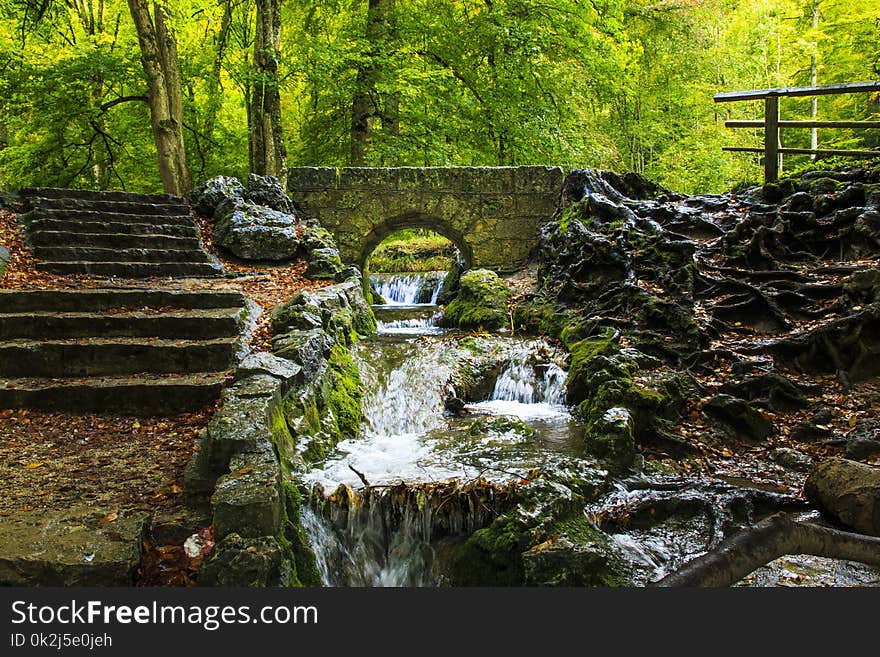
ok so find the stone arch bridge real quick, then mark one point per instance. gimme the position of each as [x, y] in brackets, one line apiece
[492, 214]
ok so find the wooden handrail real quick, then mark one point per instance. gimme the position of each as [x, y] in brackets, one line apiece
[804, 151]
[819, 90]
[804, 124]
[771, 123]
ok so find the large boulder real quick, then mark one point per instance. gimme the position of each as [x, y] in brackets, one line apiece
[481, 302]
[268, 191]
[256, 232]
[208, 196]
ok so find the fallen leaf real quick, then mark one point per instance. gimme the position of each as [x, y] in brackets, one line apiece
[36, 464]
[110, 517]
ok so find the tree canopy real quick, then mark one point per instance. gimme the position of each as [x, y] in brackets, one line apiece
[619, 84]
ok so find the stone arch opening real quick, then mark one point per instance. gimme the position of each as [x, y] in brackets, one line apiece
[396, 224]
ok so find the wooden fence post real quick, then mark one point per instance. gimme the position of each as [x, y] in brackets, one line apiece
[771, 139]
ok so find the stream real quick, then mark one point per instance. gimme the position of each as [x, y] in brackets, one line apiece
[416, 456]
[408, 437]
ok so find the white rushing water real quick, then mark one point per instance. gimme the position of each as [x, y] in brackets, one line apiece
[409, 289]
[381, 535]
[400, 406]
[530, 387]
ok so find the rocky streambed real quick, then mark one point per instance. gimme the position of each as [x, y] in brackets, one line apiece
[702, 352]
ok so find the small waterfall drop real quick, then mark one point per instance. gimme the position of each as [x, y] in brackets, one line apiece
[409, 289]
[410, 300]
[532, 385]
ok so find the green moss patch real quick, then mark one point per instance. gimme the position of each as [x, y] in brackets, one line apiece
[481, 302]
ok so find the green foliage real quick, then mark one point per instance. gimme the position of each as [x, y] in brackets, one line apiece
[345, 395]
[620, 84]
[412, 250]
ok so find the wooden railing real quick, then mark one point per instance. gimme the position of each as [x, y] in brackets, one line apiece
[771, 123]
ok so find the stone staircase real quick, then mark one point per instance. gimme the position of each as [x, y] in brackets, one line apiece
[120, 351]
[114, 234]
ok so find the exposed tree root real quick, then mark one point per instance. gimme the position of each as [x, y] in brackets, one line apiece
[773, 537]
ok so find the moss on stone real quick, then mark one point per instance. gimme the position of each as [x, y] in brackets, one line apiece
[540, 316]
[481, 302]
[306, 564]
[490, 556]
[582, 353]
[577, 554]
[345, 394]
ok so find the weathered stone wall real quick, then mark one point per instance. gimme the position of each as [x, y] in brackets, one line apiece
[281, 410]
[492, 214]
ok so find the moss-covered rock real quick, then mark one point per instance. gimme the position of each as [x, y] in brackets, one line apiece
[501, 554]
[345, 393]
[580, 380]
[541, 316]
[337, 309]
[251, 562]
[481, 302]
[576, 554]
[451, 282]
[610, 437]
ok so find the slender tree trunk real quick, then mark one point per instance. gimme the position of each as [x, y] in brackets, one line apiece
[814, 79]
[159, 59]
[268, 156]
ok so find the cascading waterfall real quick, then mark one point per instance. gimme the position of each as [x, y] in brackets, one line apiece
[402, 293]
[409, 289]
[531, 386]
[425, 473]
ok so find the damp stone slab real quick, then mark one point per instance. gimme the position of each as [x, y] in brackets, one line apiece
[74, 547]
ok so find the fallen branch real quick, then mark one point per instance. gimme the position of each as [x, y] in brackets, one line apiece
[770, 539]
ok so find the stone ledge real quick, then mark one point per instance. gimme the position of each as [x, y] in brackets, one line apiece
[74, 547]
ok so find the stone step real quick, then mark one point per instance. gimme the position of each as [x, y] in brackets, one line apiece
[73, 547]
[133, 269]
[139, 394]
[100, 299]
[175, 219]
[110, 228]
[54, 192]
[42, 205]
[89, 254]
[180, 324]
[45, 238]
[113, 356]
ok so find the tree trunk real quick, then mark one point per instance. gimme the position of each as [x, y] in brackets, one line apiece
[365, 107]
[770, 539]
[268, 156]
[814, 78]
[159, 59]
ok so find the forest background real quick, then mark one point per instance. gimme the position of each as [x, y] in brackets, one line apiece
[92, 91]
